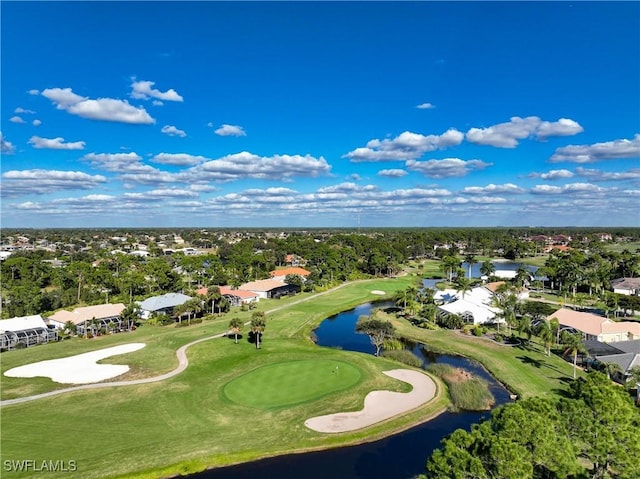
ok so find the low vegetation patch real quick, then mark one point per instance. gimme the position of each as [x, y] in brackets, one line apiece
[403, 356]
[467, 392]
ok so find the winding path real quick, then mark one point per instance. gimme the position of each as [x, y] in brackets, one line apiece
[183, 362]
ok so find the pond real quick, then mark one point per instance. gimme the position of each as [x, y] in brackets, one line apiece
[499, 266]
[400, 456]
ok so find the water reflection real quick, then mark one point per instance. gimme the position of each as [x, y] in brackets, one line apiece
[400, 456]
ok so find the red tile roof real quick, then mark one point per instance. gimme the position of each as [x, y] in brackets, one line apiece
[286, 271]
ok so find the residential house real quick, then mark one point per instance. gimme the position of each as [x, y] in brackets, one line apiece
[24, 331]
[475, 307]
[281, 274]
[236, 297]
[625, 354]
[626, 286]
[163, 304]
[598, 328]
[270, 288]
[89, 318]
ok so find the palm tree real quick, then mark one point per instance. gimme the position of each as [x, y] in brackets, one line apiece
[179, 311]
[612, 369]
[450, 264]
[487, 268]
[463, 285]
[258, 325]
[574, 345]
[522, 276]
[554, 324]
[236, 325]
[214, 296]
[470, 259]
[545, 332]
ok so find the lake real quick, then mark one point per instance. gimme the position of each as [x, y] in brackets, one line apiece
[400, 456]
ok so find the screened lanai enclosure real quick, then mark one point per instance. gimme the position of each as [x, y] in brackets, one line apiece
[26, 337]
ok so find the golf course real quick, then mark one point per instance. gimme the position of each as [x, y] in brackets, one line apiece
[233, 403]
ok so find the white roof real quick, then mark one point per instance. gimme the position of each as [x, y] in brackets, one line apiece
[22, 322]
[477, 302]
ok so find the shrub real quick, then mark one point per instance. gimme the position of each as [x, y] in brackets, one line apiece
[498, 338]
[467, 392]
[403, 356]
[393, 344]
[477, 330]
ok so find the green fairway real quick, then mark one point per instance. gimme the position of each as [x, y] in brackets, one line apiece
[188, 423]
[294, 382]
[206, 416]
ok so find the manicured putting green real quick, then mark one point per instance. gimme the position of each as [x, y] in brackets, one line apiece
[292, 382]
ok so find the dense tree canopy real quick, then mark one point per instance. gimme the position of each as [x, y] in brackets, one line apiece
[593, 432]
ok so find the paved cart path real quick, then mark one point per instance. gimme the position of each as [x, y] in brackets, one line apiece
[181, 353]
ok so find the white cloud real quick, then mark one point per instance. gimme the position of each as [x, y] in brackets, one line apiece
[118, 162]
[6, 147]
[446, 168]
[507, 188]
[160, 194]
[609, 150]
[425, 106]
[597, 175]
[105, 109]
[552, 175]
[22, 110]
[34, 92]
[173, 131]
[62, 97]
[506, 135]
[556, 175]
[38, 182]
[571, 188]
[144, 90]
[36, 122]
[562, 127]
[230, 130]
[393, 173]
[180, 159]
[55, 143]
[406, 146]
[16, 119]
[249, 165]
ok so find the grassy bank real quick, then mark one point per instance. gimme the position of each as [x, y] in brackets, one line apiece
[189, 422]
[526, 371]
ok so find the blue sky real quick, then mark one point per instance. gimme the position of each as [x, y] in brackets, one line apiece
[300, 114]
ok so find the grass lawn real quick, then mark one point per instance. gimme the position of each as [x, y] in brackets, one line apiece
[526, 371]
[289, 383]
[208, 416]
[204, 417]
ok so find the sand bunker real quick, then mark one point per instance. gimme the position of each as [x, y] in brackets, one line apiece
[377, 291]
[379, 405]
[78, 369]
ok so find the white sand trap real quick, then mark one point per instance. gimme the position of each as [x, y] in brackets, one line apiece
[78, 369]
[377, 291]
[379, 405]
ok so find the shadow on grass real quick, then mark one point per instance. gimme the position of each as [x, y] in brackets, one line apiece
[539, 363]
